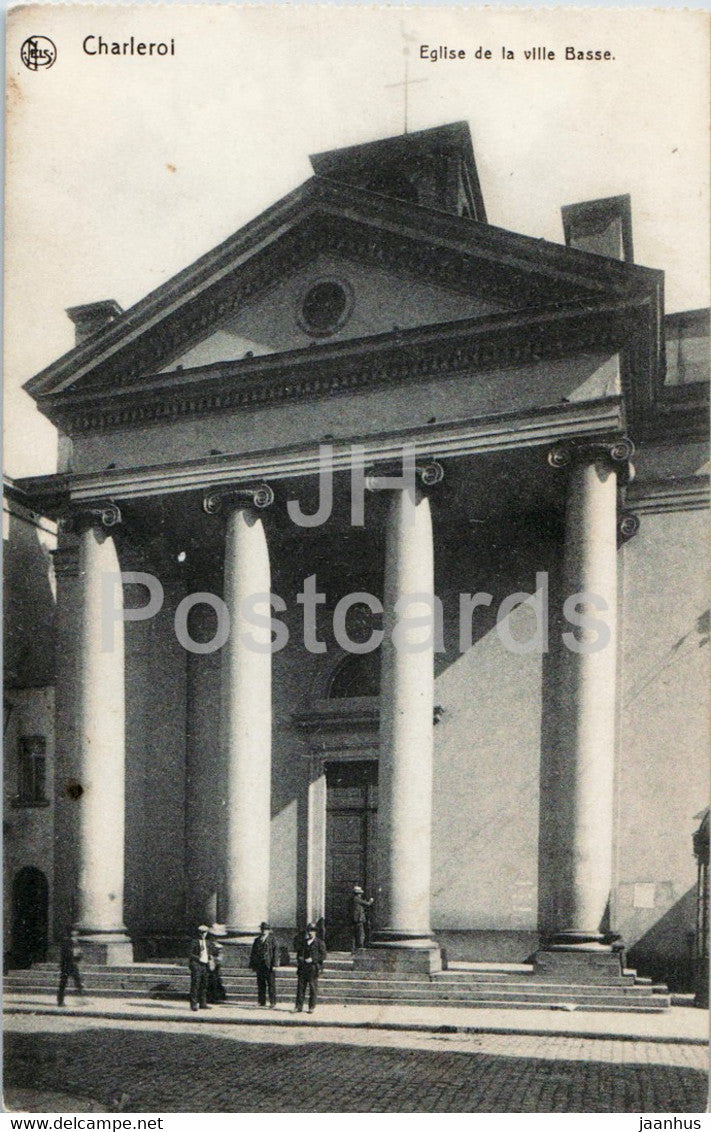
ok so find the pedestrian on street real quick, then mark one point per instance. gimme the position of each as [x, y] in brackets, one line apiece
[69, 957]
[310, 957]
[359, 916]
[263, 960]
[199, 961]
[216, 992]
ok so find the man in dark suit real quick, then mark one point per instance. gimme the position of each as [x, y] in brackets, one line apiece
[69, 957]
[310, 957]
[264, 959]
[359, 915]
[200, 954]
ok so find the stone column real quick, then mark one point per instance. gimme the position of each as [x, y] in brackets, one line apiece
[101, 744]
[316, 847]
[66, 744]
[246, 717]
[403, 939]
[586, 715]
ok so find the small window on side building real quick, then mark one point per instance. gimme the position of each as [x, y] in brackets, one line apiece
[32, 776]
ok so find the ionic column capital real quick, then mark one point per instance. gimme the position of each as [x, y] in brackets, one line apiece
[384, 477]
[430, 473]
[103, 512]
[258, 495]
[627, 526]
[618, 452]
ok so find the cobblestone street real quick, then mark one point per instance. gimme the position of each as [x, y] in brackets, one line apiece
[305, 1069]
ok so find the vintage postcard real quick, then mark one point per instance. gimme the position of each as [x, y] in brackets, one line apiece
[355, 561]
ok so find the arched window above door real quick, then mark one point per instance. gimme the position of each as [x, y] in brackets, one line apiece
[357, 675]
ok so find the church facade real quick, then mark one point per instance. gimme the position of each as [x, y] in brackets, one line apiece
[469, 467]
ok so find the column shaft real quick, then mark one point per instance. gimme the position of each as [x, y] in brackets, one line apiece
[587, 708]
[246, 723]
[406, 706]
[101, 740]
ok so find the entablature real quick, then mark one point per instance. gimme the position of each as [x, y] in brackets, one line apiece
[603, 417]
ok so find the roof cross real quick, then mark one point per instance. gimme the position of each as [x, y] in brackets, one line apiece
[406, 84]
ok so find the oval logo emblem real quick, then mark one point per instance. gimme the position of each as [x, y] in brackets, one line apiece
[37, 52]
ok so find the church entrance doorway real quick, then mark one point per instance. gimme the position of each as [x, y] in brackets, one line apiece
[351, 842]
[30, 906]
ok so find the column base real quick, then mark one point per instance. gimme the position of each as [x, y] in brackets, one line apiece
[105, 949]
[237, 948]
[580, 963]
[701, 984]
[419, 954]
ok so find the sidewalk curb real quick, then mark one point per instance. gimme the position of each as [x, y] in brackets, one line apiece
[407, 1027]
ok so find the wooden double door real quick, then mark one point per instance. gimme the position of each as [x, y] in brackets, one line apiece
[351, 845]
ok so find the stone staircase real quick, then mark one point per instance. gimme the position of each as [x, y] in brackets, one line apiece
[463, 985]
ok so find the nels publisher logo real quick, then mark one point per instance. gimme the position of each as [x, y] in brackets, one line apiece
[38, 52]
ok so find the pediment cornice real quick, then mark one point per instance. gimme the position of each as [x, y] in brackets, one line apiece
[325, 216]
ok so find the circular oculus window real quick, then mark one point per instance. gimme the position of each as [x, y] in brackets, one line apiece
[325, 307]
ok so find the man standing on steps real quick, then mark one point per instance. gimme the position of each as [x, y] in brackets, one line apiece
[359, 910]
[216, 992]
[264, 959]
[310, 957]
[69, 957]
[200, 952]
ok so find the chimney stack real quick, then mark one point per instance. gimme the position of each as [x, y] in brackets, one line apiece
[603, 227]
[92, 317]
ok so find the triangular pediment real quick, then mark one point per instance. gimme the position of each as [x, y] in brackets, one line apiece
[330, 299]
[400, 266]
